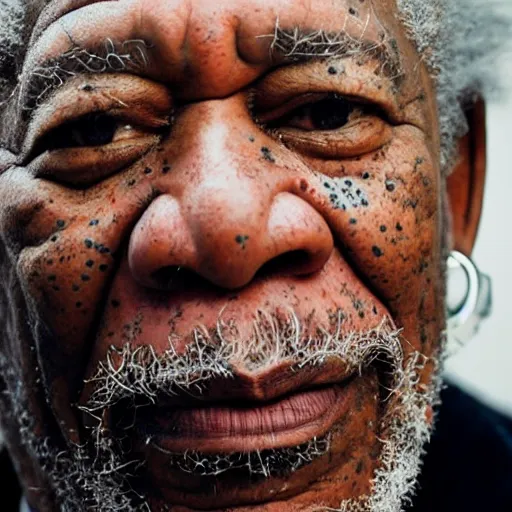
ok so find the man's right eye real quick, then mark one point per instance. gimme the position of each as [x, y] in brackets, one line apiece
[92, 130]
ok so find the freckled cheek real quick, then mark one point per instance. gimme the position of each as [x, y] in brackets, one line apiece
[391, 238]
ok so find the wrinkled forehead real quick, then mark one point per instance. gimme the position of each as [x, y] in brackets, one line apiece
[184, 36]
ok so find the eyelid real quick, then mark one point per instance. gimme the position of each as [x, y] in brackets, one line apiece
[356, 82]
[131, 99]
[289, 106]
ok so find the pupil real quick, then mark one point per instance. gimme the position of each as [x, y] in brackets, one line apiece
[94, 130]
[330, 113]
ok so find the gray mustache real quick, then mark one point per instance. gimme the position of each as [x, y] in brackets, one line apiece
[130, 372]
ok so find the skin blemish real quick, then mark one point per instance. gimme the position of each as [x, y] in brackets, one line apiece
[390, 185]
[94, 222]
[131, 183]
[343, 196]
[85, 277]
[399, 227]
[148, 170]
[78, 305]
[90, 263]
[332, 70]
[241, 240]
[366, 176]
[101, 248]
[166, 169]
[383, 229]
[54, 238]
[115, 303]
[377, 251]
[267, 155]
[88, 243]
[103, 268]
[418, 162]
[52, 278]
[75, 288]
[62, 259]
[49, 262]
[353, 221]
[252, 138]
[61, 223]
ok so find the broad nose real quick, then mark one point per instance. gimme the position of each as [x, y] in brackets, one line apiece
[233, 216]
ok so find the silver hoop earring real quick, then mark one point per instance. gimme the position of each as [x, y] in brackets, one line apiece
[466, 310]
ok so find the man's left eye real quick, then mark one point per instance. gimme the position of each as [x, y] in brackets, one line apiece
[330, 113]
[97, 129]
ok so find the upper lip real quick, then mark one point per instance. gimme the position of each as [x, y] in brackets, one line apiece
[261, 386]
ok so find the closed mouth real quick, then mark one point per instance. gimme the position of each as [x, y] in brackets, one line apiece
[243, 425]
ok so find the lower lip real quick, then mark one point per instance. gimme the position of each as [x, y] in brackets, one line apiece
[221, 429]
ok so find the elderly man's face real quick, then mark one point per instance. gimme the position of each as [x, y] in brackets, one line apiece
[223, 241]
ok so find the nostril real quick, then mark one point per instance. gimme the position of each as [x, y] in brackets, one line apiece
[176, 278]
[297, 262]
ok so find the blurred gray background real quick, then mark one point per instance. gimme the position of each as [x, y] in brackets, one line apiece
[484, 365]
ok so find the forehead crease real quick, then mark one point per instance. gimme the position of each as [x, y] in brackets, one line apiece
[295, 32]
[86, 21]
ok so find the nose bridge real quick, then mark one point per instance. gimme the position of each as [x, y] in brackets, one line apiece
[228, 200]
[227, 179]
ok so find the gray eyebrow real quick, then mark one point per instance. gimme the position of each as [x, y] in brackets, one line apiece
[298, 45]
[291, 46]
[110, 57]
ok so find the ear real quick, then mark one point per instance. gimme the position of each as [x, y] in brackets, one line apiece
[466, 183]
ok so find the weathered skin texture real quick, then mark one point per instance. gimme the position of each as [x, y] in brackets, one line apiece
[88, 233]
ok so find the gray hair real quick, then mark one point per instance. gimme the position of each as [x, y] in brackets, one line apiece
[459, 41]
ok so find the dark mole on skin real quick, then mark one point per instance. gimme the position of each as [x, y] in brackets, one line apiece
[90, 263]
[85, 277]
[366, 175]
[103, 268]
[166, 169]
[383, 229]
[377, 251]
[359, 467]
[399, 227]
[131, 183]
[390, 186]
[94, 222]
[251, 138]
[148, 170]
[241, 240]
[115, 303]
[353, 221]
[75, 288]
[60, 223]
[267, 155]
[88, 243]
